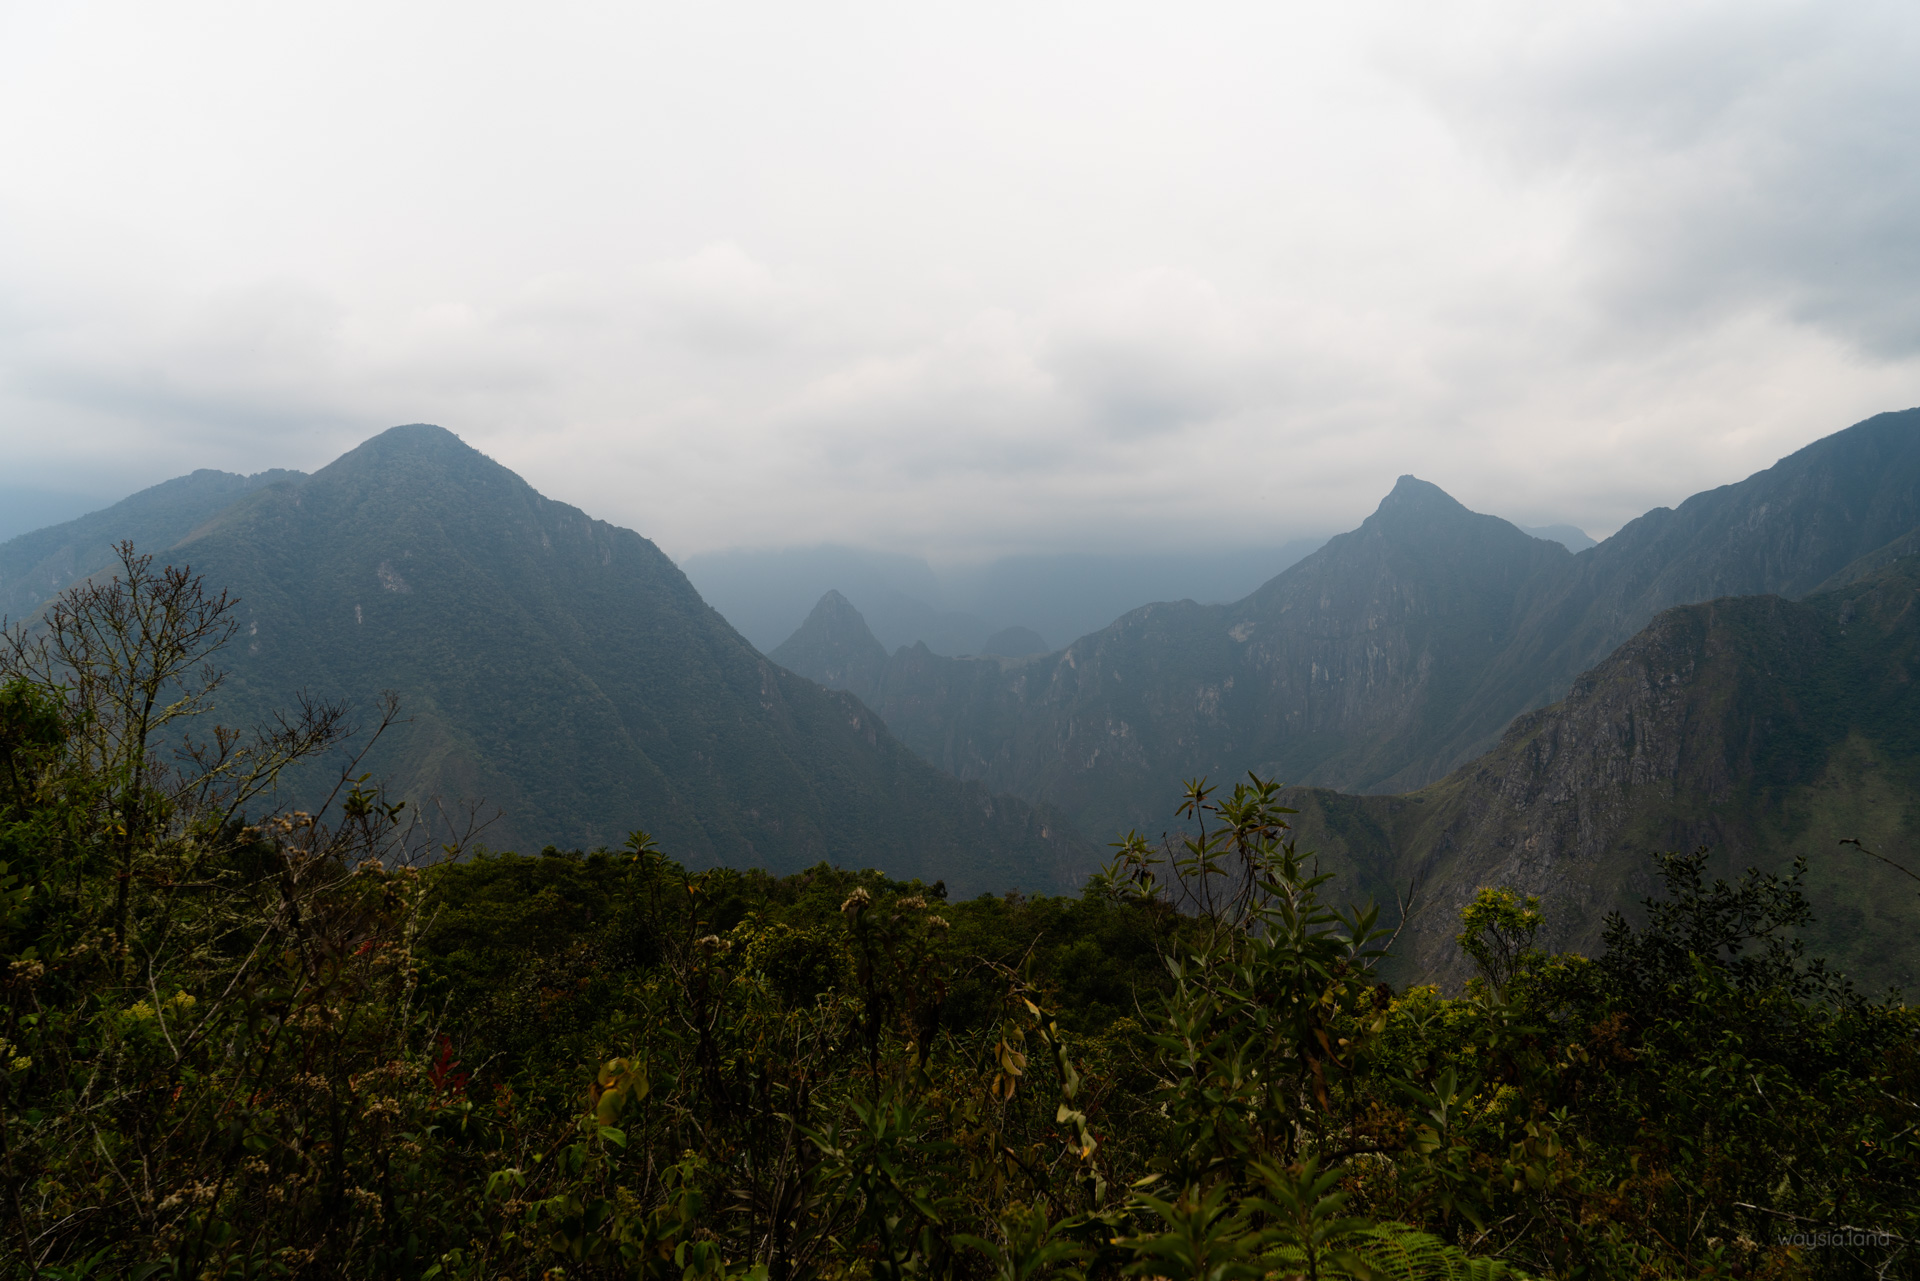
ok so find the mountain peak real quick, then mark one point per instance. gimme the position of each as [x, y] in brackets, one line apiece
[411, 442]
[1410, 493]
[835, 647]
[416, 436]
[421, 454]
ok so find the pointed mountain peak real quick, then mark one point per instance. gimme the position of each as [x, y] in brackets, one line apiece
[413, 445]
[834, 605]
[835, 621]
[1411, 494]
[835, 647]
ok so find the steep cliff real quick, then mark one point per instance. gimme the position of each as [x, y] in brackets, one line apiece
[1762, 727]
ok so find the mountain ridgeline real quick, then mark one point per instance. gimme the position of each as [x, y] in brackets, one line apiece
[1387, 659]
[1704, 704]
[38, 565]
[564, 671]
[1454, 701]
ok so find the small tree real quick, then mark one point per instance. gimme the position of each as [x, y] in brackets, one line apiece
[130, 658]
[1499, 929]
[193, 1000]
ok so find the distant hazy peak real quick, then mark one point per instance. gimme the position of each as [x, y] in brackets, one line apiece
[1415, 511]
[1571, 537]
[1415, 503]
[835, 647]
[1410, 489]
[835, 621]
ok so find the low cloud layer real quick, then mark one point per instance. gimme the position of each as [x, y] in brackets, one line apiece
[964, 281]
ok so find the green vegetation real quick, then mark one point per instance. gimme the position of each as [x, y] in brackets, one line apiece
[36, 566]
[299, 1045]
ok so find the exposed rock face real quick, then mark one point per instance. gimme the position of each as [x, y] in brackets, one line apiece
[1395, 654]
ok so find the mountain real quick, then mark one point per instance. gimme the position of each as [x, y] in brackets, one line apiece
[1571, 537]
[36, 566]
[565, 671]
[763, 591]
[835, 642]
[1344, 667]
[963, 609]
[1392, 656]
[1762, 727]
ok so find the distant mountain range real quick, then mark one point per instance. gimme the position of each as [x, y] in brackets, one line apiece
[559, 667]
[1382, 662]
[1568, 536]
[1400, 652]
[1457, 701]
[971, 609]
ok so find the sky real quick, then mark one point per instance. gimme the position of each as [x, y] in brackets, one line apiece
[962, 280]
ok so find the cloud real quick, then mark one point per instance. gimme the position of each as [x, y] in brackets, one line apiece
[1013, 279]
[1736, 156]
[1150, 355]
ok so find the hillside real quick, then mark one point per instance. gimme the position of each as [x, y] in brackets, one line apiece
[1762, 727]
[38, 565]
[1394, 654]
[562, 669]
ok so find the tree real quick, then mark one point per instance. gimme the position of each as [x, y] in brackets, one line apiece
[130, 657]
[1498, 932]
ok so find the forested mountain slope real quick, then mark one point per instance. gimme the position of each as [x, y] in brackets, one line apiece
[565, 671]
[1393, 655]
[37, 565]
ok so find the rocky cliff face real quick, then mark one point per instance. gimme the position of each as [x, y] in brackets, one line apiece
[1762, 727]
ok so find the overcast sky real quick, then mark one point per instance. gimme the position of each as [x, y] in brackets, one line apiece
[968, 278]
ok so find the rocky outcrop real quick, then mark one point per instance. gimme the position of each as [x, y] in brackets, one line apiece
[1762, 727]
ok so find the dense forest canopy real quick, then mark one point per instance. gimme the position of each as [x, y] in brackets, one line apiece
[246, 1042]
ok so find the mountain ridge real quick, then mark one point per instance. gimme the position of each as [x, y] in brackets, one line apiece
[563, 668]
[39, 564]
[1762, 727]
[1396, 653]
